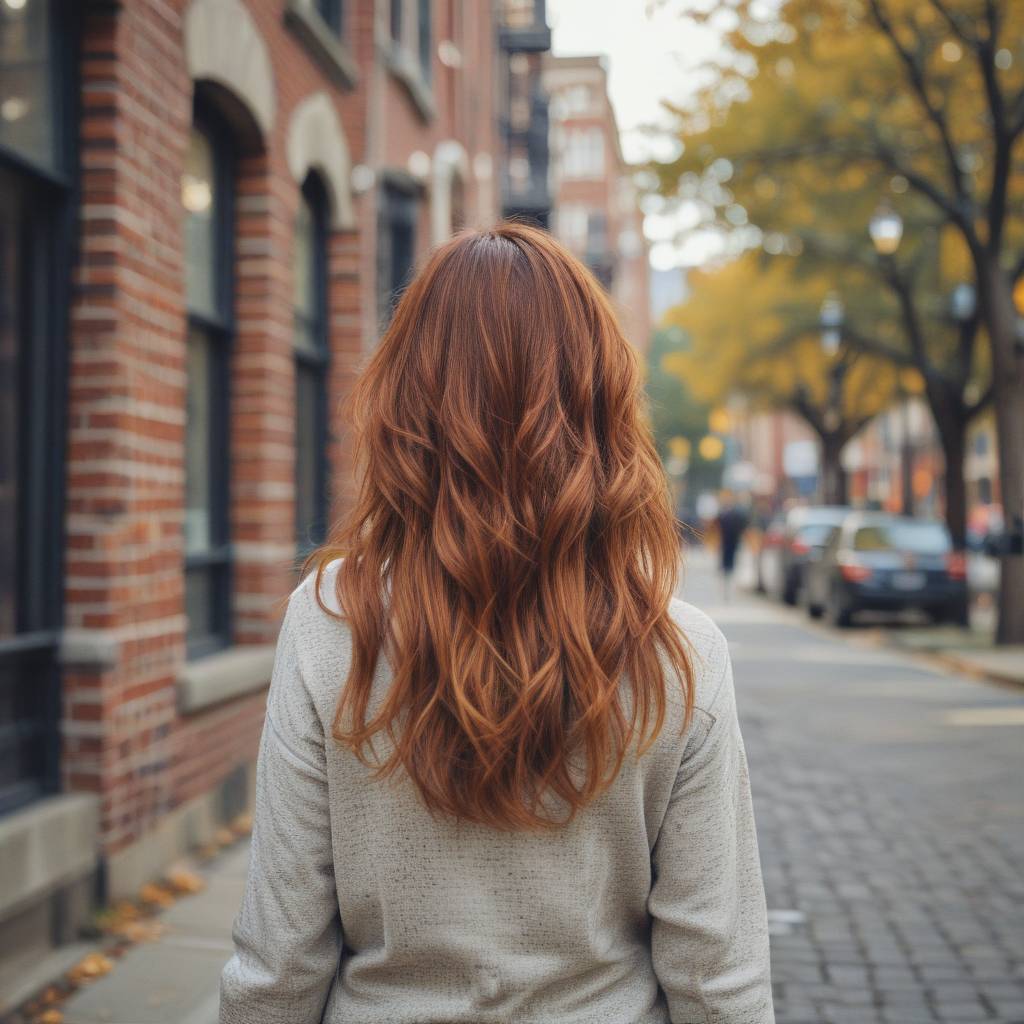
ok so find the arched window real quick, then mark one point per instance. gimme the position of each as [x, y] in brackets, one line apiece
[207, 195]
[311, 358]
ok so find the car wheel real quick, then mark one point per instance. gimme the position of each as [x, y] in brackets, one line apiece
[790, 590]
[956, 613]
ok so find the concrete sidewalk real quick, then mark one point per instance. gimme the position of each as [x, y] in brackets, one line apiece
[964, 650]
[174, 979]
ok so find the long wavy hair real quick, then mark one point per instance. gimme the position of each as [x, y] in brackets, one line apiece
[511, 549]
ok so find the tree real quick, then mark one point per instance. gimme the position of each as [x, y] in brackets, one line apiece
[831, 100]
[755, 329]
[675, 411]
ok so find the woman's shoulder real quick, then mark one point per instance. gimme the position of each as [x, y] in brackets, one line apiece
[709, 649]
[313, 614]
[319, 587]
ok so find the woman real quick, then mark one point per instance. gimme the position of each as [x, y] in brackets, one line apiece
[455, 818]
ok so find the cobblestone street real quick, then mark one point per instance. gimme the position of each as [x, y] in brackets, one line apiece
[891, 820]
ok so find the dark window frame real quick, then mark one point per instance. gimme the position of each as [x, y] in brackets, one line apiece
[332, 13]
[219, 331]
[398, 207]
[317, 364]
[51, 231]
[425, 39]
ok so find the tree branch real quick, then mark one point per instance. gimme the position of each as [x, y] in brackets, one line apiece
[969, 38]
[920, 88]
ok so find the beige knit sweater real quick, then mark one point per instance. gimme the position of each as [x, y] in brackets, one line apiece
[360, 908]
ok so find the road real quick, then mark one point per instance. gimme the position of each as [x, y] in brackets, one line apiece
[889, 797]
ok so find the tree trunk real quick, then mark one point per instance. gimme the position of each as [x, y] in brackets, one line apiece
[1008, 399]
[953, 435]
[833, 479]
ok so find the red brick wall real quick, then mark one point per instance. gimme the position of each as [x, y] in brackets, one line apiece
[127, 385]
[123, 735]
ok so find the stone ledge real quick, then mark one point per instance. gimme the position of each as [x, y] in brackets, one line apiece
[220, 677]
[50, 842]
[95, 649]
[401, 63]
[316, 35]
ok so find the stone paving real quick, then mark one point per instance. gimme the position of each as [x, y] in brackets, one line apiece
[889, 797]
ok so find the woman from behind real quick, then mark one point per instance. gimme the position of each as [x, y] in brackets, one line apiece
[501, 777]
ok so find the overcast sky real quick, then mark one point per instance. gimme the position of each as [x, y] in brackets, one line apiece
[649, 57]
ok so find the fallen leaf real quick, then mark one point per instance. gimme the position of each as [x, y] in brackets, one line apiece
[185, 881]
[94, 965]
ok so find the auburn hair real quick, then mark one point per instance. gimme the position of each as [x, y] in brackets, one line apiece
[511, 549]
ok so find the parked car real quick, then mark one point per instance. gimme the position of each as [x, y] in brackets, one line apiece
[884, 562]
[767, 566]
[790, 542]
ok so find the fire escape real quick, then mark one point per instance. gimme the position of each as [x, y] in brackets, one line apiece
[524, 35]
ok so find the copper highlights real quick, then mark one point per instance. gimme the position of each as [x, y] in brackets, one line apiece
[512, 549]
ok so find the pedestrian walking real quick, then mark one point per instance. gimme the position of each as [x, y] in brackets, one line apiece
[501, 776]
[731, 522]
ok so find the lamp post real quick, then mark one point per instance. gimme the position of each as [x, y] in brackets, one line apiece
[831, 317]
[886, 231]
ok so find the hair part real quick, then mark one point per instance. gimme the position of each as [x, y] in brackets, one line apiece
[512, 550]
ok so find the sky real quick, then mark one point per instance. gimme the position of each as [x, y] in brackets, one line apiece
[650, 56]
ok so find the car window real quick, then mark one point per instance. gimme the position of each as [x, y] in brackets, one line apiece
[815, 533]
[924, 538]
[832, 541]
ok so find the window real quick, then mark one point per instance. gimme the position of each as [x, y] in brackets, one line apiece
[396, 247]
[28, 89]
[311, 356]
[37, 217]
[573, 221]
[332, 12]
[206, 192]
[425, 40]
[576, 99]
[584, 153]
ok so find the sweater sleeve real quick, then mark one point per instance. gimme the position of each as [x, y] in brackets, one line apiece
[709, 931]
[288, 934]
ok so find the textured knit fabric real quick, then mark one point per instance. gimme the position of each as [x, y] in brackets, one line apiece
[362, 908]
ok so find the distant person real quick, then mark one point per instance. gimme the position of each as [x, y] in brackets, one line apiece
[731, 522]
[501, 776]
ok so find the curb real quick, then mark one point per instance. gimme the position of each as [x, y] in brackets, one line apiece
[969, 667]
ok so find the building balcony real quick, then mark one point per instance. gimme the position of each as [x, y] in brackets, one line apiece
[524, 27]
[530, 198]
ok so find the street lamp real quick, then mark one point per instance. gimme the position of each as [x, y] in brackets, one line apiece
[831, 317]
[886, 230]
[962, 302]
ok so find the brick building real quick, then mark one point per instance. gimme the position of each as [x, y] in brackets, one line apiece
[596, 204]
[207, 208]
